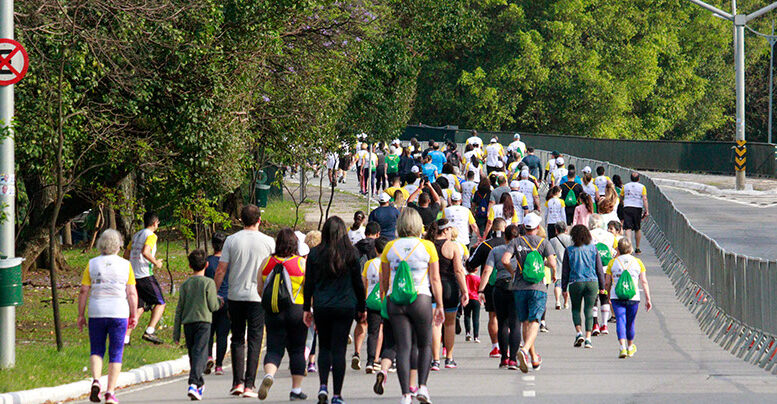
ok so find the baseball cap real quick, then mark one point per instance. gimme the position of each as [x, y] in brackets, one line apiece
[560, 161]
[532, 221]
[555, 153]
[587, 170]
[515, 184]
[494, 140]
[302, 248]
[384, 197]
[455, 196]
[517, 136]
[414, 170]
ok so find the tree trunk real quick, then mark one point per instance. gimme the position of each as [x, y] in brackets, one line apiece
[233, 203]
[67, 234]
[110, 213]
[125, 218]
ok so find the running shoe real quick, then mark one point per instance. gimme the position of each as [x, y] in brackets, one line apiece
[450, 364]
[637, 251]
[495, 353]
[623, 353]
[356, 362]
[110, 398]
[94, 392]
[407, 399]
[413, 391]
[579, 340]
[603, 329]
[503, 364]
[264, 388]
[538, 364]
[219, 371]
[369, 369]
[194, 393]
[297, 396]
[468, 338]
[380, 383]
[595, 331]
[350, 339]
[435, 366]
[632, 350]
[558, 306]
[393, 368]
[152, 338]
[312, 367]
[512, 365]
[237, 390]
[588, 344]
[249, 393]
[323, 395]
[523, 361]
[376, 366]
[337, 400]
[544, 328]
[423, 395]
[209, 366]
[476, 340]
[566, 306]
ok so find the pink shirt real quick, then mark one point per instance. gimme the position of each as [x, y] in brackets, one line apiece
[581, 216]
[473, 284]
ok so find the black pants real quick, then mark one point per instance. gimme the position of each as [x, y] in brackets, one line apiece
[286, 331]
[509, 328]
[196, 335]
[406, 321]
[374, 321]
[380, 174]
[246, 317]
[472, 315]
[389, 349]
[391, 177]
[220, 329]
[570, 214]
[333, 327]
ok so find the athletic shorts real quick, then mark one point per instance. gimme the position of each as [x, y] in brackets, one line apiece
[112, 329]
[488, 291]
[530, 304]
[604, 298]
[149, 293]
[632, 218]
[450, 295]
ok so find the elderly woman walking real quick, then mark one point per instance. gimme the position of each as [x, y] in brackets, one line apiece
[109, 284]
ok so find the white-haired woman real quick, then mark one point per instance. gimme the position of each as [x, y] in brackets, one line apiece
[109, 284]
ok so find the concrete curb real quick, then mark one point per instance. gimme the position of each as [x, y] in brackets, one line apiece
[75, 390]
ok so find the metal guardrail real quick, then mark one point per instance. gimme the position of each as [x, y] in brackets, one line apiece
[730, 294]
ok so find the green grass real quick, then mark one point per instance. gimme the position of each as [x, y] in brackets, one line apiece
[280, 214]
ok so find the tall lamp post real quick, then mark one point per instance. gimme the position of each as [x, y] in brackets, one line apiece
[772, 41]
[739, 20]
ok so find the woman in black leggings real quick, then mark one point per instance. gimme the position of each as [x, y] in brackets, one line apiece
[508, 326]
[335, 292]
[416, 317]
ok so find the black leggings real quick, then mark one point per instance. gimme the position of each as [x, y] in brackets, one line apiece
[389, 349]
[333, 327]
[286, 330]
[406, 320]
[373, 331]
[472, 315]
[509, 328]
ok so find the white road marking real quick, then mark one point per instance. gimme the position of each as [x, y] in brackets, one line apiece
[529, 393]
[527, 378]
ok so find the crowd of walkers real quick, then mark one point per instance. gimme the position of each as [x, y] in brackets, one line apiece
[455, 231]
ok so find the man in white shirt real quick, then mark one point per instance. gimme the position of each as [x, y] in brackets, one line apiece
[635, 208]
[559, 175]
[462, 219]
[601, 180]
[517, 145]
[475, 140]
[243, 253]
[468, 188]
[494, 154]
[529, 189]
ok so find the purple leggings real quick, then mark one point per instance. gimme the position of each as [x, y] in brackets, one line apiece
[625, 314]
[112, 328]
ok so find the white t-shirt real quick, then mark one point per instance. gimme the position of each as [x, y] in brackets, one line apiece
[554, 211]
[559, 175]
[632, 195]
[519, 202]
[517, 146]
[529, 190]
[591, 190]
[245, 251]
[371, 273]
[494, 154]
[629, 263]
[461, 218]
[356, 235]
[362, 157]
[331, 161]
[142, 267]
[601, 183]
[452, 180]
[418, 253]
[475, 140]
[604, 237]
[467, 190]
[108, 277]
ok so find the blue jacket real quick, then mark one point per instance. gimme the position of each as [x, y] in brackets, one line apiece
[582, 264]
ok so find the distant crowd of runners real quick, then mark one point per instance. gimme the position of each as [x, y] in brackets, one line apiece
[456, 231]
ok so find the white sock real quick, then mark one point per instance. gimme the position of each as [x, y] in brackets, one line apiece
[542, 322]
[623, 346]
[296, 390]
[126, 339]
[494, 346]
[150, 330]
[605, 314]
[596, 311]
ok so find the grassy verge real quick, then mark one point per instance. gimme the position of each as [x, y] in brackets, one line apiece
[279, 214]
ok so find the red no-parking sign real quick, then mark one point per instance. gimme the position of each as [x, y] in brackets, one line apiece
[13, 62]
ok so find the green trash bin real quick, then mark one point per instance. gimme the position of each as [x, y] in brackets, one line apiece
[11, 282]
[262, 192]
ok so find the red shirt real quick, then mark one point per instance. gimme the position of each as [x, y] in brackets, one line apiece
[473, 284]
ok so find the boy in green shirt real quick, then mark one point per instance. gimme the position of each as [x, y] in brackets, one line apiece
[196, 304]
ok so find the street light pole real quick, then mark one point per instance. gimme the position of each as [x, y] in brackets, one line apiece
[7, 199]
[771, 80]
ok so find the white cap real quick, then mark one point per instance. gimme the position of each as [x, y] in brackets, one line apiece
[494, 140]
[384, 197]
[302, 248]
[414, 170]
[515, 184]
[586, 170]
[455, 196]
[396, 141]
[559, 161]
[517, 136]
[500, 164]
[524, 173]
[531, 221]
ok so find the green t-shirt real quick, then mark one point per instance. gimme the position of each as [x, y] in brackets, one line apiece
[392, 163]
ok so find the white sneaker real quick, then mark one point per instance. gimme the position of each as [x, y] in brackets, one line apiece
[423, 395]
[194, 393]
[408, 399]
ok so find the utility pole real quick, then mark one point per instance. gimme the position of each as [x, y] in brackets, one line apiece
[739, 20]
[7, 199]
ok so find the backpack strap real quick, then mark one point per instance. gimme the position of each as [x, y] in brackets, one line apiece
[408, 256]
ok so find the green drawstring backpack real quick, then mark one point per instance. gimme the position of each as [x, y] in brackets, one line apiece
[571, 199]
[626, 288]
[604, 253]
[373, 299]
[533, 270]
[403, 291]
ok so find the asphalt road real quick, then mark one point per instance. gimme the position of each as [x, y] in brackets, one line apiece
[676, 362]
[743, 229]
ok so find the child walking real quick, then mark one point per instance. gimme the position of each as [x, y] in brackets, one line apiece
[197, 302]
[472, 309]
